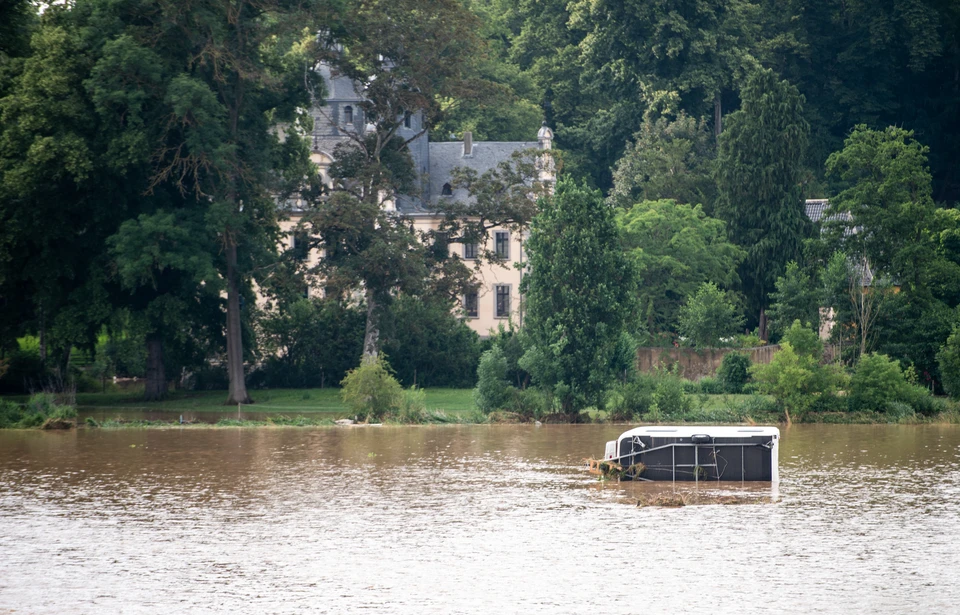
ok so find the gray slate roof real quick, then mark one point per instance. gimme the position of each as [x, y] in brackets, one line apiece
[446, 156]
[339, 88]
[817, 209]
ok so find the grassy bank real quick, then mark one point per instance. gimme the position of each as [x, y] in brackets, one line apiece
[319, 407]
[276, 401]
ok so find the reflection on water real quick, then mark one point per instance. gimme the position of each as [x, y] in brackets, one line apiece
[467, 519]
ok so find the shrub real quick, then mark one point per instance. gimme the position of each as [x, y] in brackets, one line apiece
[511, 342]
[38, 409]
[10, 413]
[625, 401]
[428, 345]
[413, 406]
[706, 386]
[734, 372]
[310, 343]
[493, 390]
[46, 404]
[749, 340]
[668, 398]
[371, 391]
[876, 381]
[709, 316]
[948, 359]
[828, 402]
[710, 386]
[898, 411]
[922, 401]
[530, 403]
[796, 379]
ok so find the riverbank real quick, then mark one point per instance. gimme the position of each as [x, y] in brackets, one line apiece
[323, 407]
[274, 401]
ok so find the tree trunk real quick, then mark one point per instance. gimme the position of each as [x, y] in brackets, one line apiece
[156, 386]
[763, 324]
[371, 336]
[717, 115]
[238, 386]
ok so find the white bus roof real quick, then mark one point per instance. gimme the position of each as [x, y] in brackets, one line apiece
[715, 431]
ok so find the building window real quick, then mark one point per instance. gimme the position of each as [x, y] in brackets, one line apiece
[501, 243]
[300, 247]
[471, 304]
[447, 190]
[470, 251]
[348, 115]
[406, 120]
[502, 308]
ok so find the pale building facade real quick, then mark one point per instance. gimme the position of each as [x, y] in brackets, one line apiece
[497, 300]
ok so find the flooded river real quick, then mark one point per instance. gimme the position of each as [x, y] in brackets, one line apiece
[467, 519]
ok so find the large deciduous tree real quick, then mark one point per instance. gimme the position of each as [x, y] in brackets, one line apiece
[60, 195]
[700, 49]
[759, 171]
[579, 295]
[163, 112]
[405, 59]
[669, 158]
[888, 197]
[895, 231]
[675, 249]
[237, 68]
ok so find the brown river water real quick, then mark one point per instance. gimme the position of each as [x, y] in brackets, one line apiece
[468, 519]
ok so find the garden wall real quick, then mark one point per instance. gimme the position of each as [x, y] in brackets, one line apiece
[695, 364]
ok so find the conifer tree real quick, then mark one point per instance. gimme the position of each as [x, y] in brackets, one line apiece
[759, 171]
[579, 295]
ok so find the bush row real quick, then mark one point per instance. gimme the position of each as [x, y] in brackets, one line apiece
[794, 384]
[39, 409]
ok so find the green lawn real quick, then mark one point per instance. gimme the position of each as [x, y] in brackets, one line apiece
[325, 404]
[281, 401]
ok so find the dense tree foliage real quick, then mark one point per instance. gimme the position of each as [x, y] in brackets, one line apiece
[797, 297]
[888, 195]
[675, 248]
[161, 114]
[667, 159]
[148, 150]
[593, 66]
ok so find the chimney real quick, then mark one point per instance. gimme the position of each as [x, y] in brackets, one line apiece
[467, 143]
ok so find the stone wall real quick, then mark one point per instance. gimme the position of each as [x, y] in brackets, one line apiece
[695, 364]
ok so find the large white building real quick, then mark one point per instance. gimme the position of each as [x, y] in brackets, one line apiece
[498, 300]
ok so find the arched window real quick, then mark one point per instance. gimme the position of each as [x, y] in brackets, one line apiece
[348, 115]
[447, 190]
